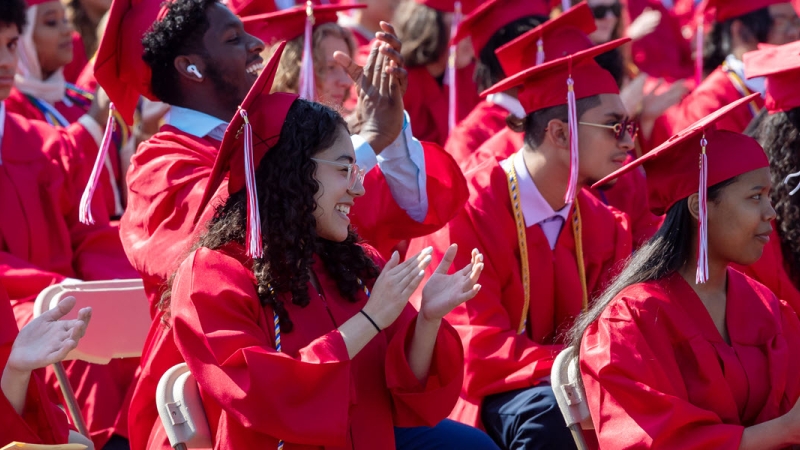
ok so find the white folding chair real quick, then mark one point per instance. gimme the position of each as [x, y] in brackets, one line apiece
[570, 395]
[119, 326]
[181, 409]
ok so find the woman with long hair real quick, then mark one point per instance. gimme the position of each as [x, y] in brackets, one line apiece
[681, 350]
[298, 335]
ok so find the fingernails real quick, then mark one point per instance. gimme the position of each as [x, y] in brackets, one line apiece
[478, 287]
[426, 260]
[427, 251]
[421, 273]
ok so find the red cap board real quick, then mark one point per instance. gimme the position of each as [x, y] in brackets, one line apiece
[37, 2]
[251, 133]
[290, 23]
[482, 23]
[448, 6]
[723, 10]
[673, 172]
[781, 66]
[546, 85]
[559, 37]
[245, 8]
[119, 67]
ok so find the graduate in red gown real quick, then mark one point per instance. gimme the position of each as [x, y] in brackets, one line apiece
[664, 52]
[27, 413]
[740, 25]
[42, 93]
[424, 26]
[779, 267]
[683, 351]
[348, 361]
[489, 27]
[511, 330]
[41, 239]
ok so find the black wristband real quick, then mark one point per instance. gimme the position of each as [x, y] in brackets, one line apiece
[371, 321]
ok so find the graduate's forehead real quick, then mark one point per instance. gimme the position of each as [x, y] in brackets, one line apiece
[609, 107]
[8, 31]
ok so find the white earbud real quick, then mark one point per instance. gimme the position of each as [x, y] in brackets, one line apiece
[192, 69]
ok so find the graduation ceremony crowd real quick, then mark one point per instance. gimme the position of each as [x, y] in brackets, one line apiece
[375, 225]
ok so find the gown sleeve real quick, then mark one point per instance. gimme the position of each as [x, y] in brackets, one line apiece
[634, 402]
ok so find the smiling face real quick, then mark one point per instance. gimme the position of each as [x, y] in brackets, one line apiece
[600, 152]
[52, 36]
[334, 199]
[333, 82]
[739, 221]
[232, 60]
[9, 38]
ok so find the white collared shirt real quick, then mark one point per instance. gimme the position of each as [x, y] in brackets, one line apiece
[535, 209]
[402, 162]
[757, 84]
[507, 102]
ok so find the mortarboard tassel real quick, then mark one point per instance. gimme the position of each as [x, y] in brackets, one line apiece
[307, 81]
[85, 210]
[698, 59]
[255, 248]
[789, 177]
[572, 119]
[539, 52]
[451, 70]
[565, 5]
[702, 220]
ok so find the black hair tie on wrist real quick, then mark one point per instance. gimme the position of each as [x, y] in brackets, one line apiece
[371, 321]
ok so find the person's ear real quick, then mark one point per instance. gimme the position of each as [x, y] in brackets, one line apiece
[191, 68]
[693, 203]
[557, 133]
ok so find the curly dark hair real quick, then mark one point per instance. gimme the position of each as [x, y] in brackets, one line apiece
[286, 188]
[779, 134]
[178, 33]
[717, 45]
[488, 70]
[12, 12]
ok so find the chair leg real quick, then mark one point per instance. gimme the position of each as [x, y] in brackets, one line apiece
[577, 435]
[69, 396]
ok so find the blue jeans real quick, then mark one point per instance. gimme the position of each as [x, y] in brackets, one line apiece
[447, 434]
[526, 419]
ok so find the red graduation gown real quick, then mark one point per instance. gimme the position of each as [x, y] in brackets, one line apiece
[311, 395]
[42, 242]
[481, 124]
[664, 53]
[770, 271]
[497, 359]
[18, 103]
[42, 421]
[713, 93]
[659, 375]
[628, 194]
[427, 102]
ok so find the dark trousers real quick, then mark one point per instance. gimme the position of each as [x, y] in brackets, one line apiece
[448, 434]
[526, 419]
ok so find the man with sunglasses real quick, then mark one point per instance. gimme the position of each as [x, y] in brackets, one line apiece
[549, 246]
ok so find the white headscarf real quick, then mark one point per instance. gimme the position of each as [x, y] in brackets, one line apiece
[28, 78]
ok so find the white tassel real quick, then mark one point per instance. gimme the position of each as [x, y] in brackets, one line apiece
[572, 118]
[85, 209]
[307, 81]
[698, 60]
[789, 177]
[255, 248]
[702, 221]
[451, 70]
[565, 5]
[539, 52]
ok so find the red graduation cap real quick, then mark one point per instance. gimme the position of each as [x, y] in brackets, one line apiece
[672, 169]
[556, 38]
[244, 8]
[722, 10]
[36, 2]
[563, 81]
[119, 67]
[254, 129]
[781, 65]
[487, 19]
[448, 6]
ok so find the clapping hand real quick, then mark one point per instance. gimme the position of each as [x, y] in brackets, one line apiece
[443, 292]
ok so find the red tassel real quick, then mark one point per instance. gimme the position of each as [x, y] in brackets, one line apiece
[702, 221]
[255, 248]
[307, 81]
[85, 209]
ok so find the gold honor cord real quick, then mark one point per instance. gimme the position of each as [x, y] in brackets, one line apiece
[738, 83]
[513, 192]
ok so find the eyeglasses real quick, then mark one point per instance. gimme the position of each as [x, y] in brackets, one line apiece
[355, 174]
[600, 11]
[628, 125]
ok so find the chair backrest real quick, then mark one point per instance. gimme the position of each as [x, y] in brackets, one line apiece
[181, 409]
[568, 388]
[120, 317]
